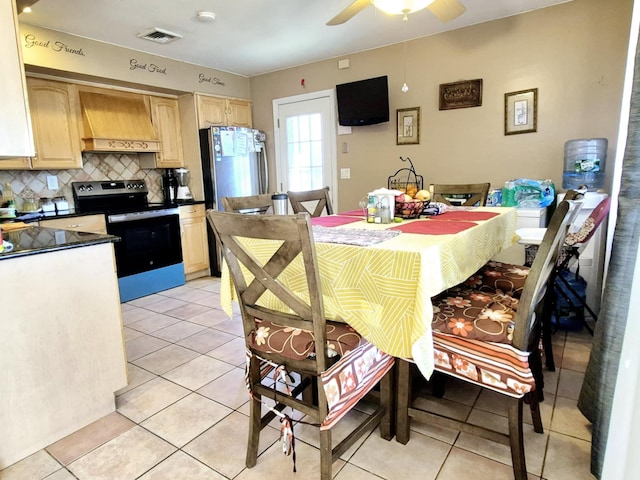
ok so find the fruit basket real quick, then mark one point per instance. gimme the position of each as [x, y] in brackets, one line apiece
[411, 209]
[407, 181]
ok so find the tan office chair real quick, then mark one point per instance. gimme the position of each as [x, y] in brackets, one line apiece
[255, 204]
[470, 194]
[491, 340]
[320, 197]
[335, 364]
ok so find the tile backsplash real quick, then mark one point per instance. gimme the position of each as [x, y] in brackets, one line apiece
[96, 166]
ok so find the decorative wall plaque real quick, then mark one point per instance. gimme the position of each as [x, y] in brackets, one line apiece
[464, 94]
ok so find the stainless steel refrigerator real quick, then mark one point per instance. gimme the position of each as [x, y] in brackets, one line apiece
[234, 164]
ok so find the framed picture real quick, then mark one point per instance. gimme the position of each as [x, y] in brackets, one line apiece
[521, 112]
[464, 94]
[408, 126]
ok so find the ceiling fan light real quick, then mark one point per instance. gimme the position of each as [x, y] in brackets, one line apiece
[399, 7]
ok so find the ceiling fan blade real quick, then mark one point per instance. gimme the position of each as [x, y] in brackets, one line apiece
[349, 12]
[447, 10]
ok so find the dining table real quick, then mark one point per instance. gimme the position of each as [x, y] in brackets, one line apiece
[380, 278]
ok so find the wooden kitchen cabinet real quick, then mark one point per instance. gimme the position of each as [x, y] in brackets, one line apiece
[16, 139]
[165, 116]
[85, 223]
[195, 248]
[221, 111]
[56, 118]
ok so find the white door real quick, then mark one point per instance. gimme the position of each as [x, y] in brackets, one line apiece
[305, 142]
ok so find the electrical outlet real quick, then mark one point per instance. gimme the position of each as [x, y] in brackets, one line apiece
[345, 173]
[345, 147]
[52, 182]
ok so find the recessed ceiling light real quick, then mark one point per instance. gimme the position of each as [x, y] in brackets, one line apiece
[206, 17]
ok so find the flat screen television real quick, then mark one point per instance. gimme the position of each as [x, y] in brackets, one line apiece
[365, 102]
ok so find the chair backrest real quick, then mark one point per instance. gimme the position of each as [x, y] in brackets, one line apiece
[255, 276]
[320, 196]
[590, 225]
[254, 204]
[475, 193]
[541, 272]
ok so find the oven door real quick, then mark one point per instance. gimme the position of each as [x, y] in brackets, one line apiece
[149, 240]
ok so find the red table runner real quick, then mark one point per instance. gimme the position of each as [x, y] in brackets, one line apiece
[334, 220]
[428, 227]
[354, 213]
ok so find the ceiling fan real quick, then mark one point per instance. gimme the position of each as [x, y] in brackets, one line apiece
[444, 10]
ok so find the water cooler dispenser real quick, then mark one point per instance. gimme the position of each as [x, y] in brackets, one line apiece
[584, 163]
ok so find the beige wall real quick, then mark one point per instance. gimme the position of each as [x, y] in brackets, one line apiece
[573, 53]
[78, 57]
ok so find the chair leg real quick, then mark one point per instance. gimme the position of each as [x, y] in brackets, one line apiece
[534, 406]
[326, 455]
[255, 417]
[387, 422]
[403, 391]
[535, 363]
[438, 381]
[516, 439]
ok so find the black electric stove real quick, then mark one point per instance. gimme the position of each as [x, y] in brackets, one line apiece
[149, 255]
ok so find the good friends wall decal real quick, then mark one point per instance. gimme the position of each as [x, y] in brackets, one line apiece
[31, 41]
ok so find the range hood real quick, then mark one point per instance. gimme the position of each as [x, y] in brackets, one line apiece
[116, 124]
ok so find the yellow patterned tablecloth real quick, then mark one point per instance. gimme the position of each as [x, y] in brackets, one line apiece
[384, 291]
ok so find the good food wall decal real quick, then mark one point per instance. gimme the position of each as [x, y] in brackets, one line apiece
[151, 67]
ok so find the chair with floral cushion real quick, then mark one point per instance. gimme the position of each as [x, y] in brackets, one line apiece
[491, 340]
[317, 200]
[291, 347]
[470, 194]
[509, 278]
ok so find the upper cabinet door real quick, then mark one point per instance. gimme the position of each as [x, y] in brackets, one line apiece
[55, 114]
[221, 111]
[239, 112]
[211, 111]
[16, 139]
[165, 116]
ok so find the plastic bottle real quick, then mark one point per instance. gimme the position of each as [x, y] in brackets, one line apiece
[7, 196]
[584, 163]
[372, 210]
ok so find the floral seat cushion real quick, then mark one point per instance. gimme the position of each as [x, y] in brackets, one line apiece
[299, 344]
[475, 314]
[360, 367]
[472, 339]
[495, 277]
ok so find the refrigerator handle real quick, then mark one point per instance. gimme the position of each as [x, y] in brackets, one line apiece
[264, 169]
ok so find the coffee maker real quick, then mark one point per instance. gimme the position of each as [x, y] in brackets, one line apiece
[169, 186]
[183, 192]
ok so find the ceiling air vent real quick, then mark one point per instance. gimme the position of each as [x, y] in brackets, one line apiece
[159, 35]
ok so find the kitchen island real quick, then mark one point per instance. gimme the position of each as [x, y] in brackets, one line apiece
[61, 339]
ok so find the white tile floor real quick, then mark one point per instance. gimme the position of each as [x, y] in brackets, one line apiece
[184, 414]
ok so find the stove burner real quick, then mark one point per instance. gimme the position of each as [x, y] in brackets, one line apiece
[110, 196]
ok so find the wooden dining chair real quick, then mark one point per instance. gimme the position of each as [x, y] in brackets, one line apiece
[333, 362]
[320, 198]
[500, 277]
[254, 204]
[491, 341]
[473, 194]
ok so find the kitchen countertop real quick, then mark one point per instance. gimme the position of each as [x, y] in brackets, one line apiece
[36, 240]
[36, 216]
